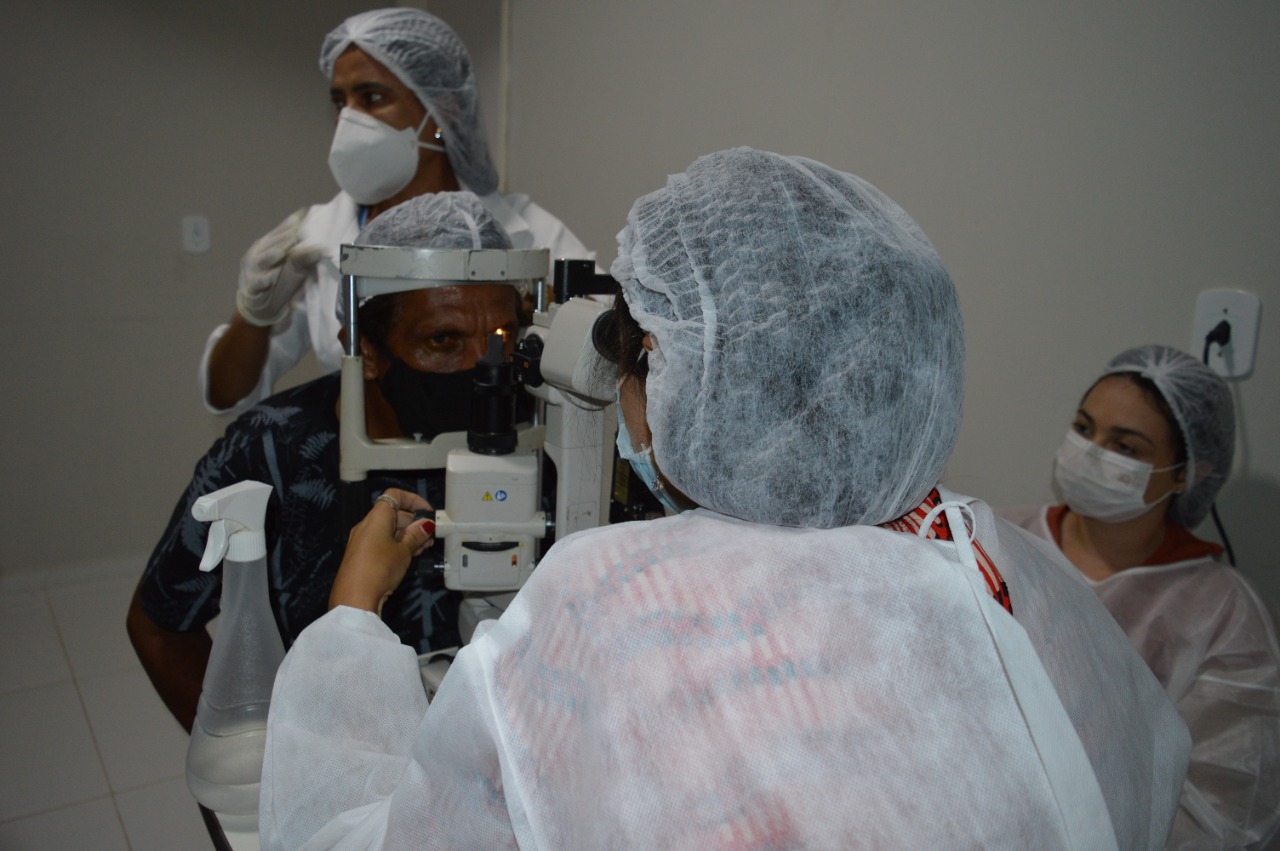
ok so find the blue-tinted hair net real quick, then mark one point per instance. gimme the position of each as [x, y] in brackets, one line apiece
[809, 361]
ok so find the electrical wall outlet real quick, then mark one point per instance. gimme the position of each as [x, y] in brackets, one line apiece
[1242, 311]
[195, 234]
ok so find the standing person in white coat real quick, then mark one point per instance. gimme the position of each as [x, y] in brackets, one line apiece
[823, 649]
[408, 124]
[1150, 446]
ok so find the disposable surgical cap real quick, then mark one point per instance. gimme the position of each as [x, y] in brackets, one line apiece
[434, 220]
[1202, 405]
[809, 364]
[428, 57]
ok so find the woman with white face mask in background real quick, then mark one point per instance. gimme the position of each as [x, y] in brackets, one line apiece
[1150, 446]
[408, 124]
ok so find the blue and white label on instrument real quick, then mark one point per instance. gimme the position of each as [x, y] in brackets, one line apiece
[500, 496]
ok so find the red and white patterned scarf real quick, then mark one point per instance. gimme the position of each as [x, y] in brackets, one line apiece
[941, 530]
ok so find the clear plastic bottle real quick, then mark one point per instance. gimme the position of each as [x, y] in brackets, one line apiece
[224, 759]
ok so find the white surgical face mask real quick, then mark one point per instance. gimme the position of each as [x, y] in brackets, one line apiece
[370, 159]
[1102, 484]
[641, 461]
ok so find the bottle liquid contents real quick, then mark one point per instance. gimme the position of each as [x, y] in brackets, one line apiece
[224, 759]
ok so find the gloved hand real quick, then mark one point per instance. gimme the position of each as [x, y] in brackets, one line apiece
[272, 270]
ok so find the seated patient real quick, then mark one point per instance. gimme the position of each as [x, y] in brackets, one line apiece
[417, 347]
[818, 652]
[1150, 446]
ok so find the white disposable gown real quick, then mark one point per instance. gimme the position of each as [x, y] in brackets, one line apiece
[701, 682]
[313, 322]
[1209, 640]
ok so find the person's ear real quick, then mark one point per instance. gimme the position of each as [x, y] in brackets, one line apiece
[374, 364]
[1204, 470]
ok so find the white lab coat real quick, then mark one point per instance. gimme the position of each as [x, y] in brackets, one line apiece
[313, 322]
[702, 682]
[1209, 640]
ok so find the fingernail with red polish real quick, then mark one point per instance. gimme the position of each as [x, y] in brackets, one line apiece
[429, 527]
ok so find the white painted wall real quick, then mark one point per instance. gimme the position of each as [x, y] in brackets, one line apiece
[124, 117]
[1085, 169]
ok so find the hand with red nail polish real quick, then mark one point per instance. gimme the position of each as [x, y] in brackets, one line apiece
[379, 550]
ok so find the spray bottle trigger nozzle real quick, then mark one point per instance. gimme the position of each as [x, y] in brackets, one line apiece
[241, 507]
[215, 547]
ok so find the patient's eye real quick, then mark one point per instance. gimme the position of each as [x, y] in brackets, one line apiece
[443, 341]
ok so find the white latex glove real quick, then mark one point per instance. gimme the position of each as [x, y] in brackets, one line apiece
[272, 270]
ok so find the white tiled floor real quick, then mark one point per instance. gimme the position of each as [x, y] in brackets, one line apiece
[89, 756]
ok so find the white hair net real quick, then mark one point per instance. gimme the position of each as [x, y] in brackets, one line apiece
[434, 220]
[809, 365]
[428, 57]
[1201, 403]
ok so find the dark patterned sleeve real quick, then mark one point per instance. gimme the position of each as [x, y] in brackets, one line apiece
[174, 592]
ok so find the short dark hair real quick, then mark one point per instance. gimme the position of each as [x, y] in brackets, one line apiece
[625, 347]
[377, 316]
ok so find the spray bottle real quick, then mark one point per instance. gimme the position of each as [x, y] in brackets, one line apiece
[224, 759]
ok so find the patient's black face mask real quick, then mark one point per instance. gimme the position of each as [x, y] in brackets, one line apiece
[428, 403]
